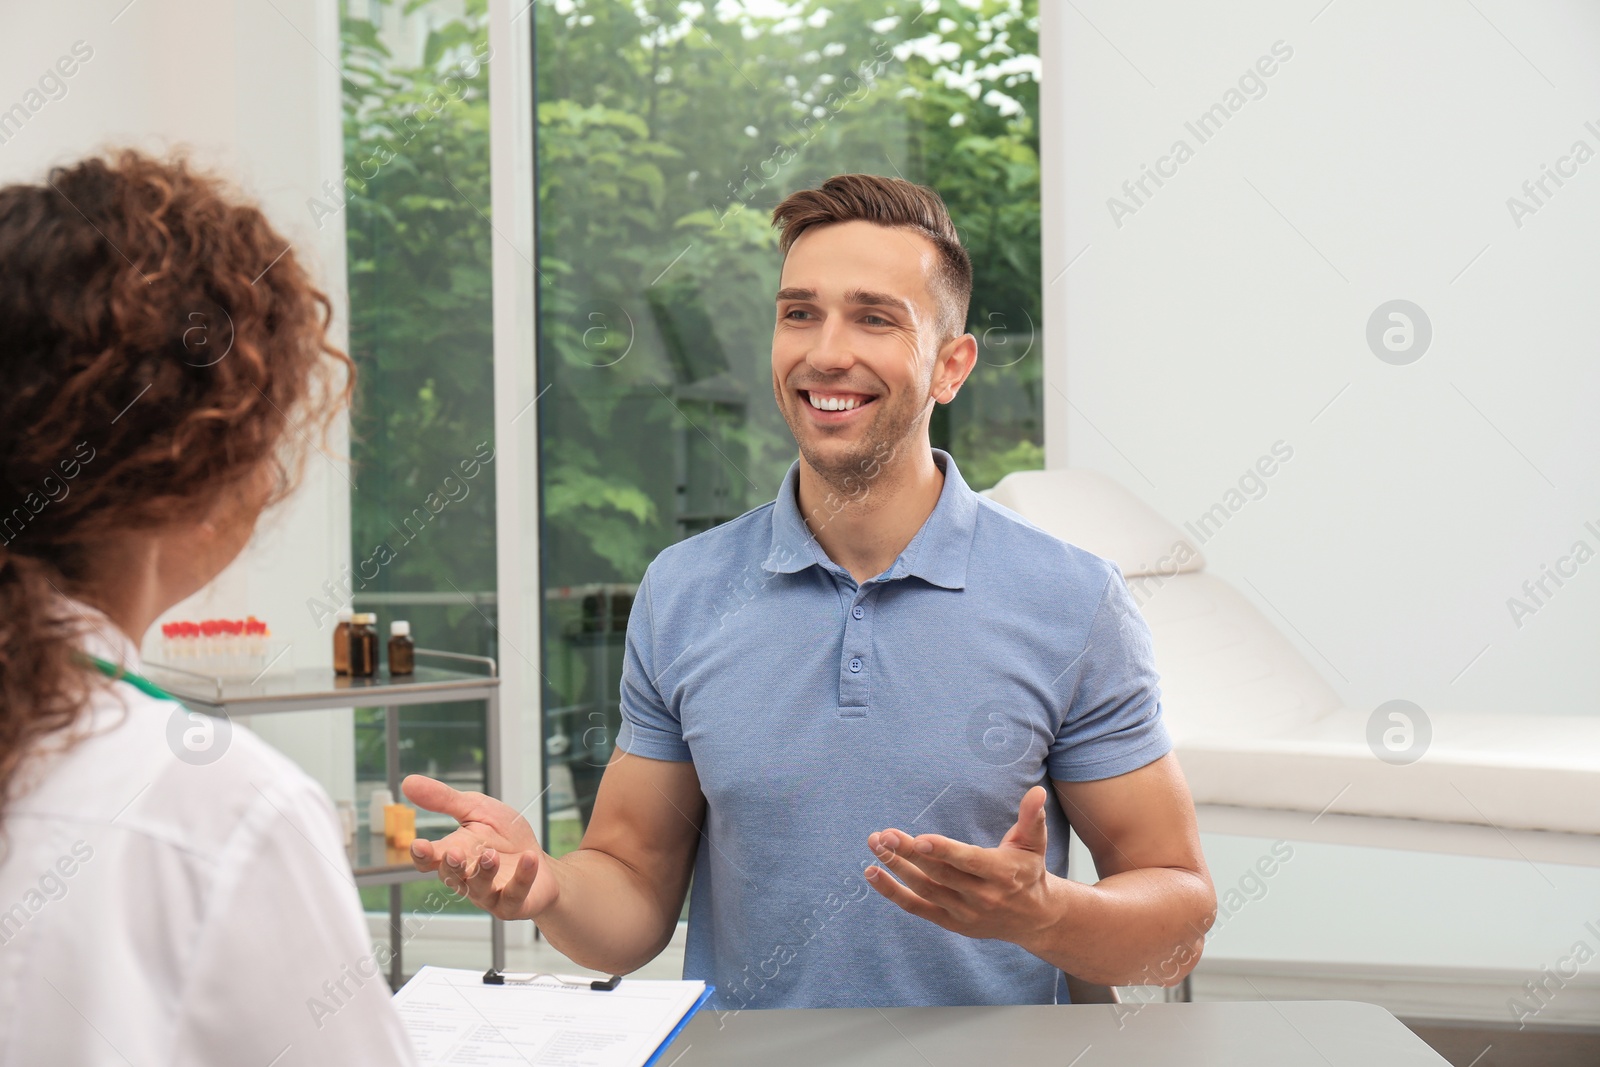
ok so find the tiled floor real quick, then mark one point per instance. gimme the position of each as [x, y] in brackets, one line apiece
[1474, 1046]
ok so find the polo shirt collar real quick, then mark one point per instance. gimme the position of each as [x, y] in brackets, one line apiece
[937, 554]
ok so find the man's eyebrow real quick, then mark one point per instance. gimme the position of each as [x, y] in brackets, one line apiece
[859, 297]
[868, 298]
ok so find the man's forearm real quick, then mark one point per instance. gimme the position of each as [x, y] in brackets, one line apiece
[605, 917]
[1141, 927]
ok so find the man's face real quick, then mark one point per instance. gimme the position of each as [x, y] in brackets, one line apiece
[858, 323]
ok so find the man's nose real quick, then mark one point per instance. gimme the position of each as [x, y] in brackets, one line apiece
[832, 349]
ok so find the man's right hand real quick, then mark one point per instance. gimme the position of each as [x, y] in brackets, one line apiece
[494, 859]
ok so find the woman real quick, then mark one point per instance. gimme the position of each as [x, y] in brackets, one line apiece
[164, 358]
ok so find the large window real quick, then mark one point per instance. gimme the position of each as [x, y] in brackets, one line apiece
[667, 130]
[415, 199]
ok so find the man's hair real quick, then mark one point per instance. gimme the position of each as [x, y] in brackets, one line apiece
[887, 202]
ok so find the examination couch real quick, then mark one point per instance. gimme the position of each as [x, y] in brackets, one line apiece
[1269, 748]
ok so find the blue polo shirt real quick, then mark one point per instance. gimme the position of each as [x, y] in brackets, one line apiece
[989, 658]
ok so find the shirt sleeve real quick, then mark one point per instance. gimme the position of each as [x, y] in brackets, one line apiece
[285, 972]
[1113, 723]
[649, 728]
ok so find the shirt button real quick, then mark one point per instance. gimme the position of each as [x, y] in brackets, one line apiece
[855, 664]
[858, 611]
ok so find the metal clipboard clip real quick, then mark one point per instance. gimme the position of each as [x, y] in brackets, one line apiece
[494, 976]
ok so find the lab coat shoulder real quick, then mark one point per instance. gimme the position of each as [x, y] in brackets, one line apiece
[214, 907]
[154, 769]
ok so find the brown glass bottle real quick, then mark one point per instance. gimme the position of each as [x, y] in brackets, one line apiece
[363, 645]
[341, 644]
[402, 652]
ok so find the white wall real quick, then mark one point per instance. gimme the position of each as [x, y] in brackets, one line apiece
[253, 89]
[1230, 309]
[1225, 310]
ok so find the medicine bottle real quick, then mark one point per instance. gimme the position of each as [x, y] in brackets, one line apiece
[341, 643]
[363, 645]
[402, 652]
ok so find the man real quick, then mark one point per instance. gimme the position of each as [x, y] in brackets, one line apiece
[880, 664]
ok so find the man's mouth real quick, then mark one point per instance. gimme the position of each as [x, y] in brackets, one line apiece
[831, 403]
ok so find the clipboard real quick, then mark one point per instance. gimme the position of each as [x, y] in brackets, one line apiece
[676, 1030]
[493, 976]
[499, 1018]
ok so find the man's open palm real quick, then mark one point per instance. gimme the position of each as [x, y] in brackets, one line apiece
[494, 858]
[1000, 892]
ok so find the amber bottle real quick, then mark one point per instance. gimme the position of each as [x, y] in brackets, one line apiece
[341, 643]
[363, 645]
[402, 652]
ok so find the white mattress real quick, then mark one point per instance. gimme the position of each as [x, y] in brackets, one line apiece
[1524, 772]
[1255, 724]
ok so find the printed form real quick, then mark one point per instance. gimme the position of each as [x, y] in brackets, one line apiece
[456, 1019]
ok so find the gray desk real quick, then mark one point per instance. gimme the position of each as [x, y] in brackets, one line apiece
[371, 861]
[1318, 1033]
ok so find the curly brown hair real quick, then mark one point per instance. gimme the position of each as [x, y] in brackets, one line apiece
[160, 344]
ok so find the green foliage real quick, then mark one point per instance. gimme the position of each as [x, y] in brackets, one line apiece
[666, 131]
[666, 134]
[421, 327]
[416, 201]
[427, 897]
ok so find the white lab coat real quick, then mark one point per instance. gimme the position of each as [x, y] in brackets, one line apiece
[156, 911]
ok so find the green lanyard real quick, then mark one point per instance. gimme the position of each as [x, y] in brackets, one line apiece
[138, 681]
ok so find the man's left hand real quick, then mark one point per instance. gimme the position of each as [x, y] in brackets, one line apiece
[1003, 892]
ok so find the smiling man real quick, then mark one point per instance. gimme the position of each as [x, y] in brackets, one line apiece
[863, 716]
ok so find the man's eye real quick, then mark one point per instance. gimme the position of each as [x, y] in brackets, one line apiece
[876, 320]
[792, 312]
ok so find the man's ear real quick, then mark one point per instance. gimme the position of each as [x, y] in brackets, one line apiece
[952, 366]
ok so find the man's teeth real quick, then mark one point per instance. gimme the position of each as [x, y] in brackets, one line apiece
[828, 403]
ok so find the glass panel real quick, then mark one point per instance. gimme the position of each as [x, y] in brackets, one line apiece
[666, 133]
[415, 201]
